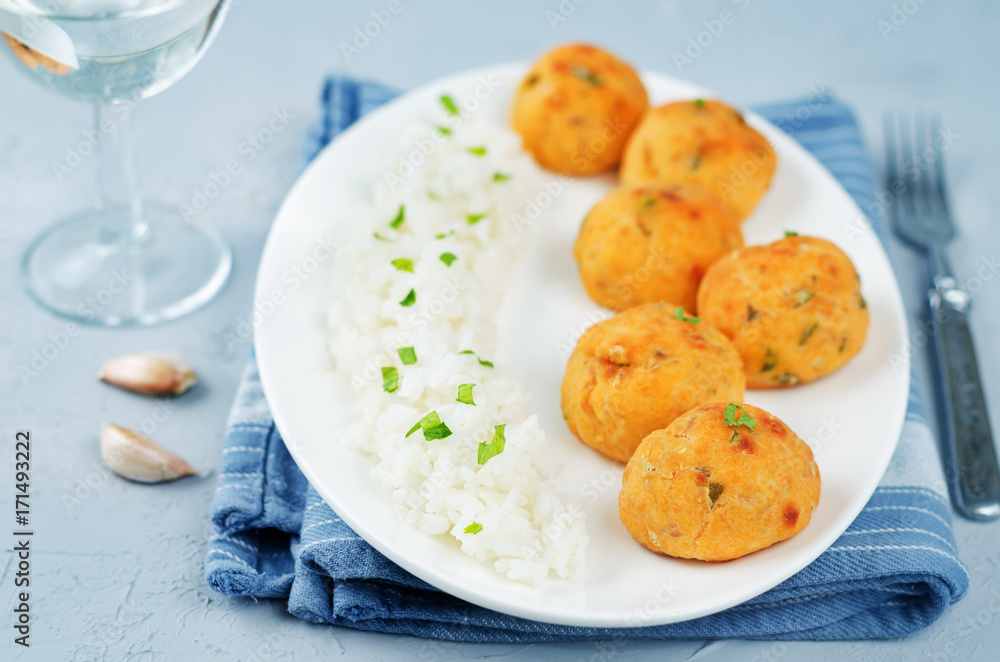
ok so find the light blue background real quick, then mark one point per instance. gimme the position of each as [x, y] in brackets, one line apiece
[121, 575]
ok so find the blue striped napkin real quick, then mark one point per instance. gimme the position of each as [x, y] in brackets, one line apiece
[894, 571]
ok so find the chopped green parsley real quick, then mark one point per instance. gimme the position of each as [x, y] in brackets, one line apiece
[400, 217]
[586, 74]
[495, 447]
[679, 314]
[403, 264]
[407, 355]
[465, 394]
[449, 105]
[488, 364]
[432, 426]
[730, 416]
[807, 334]
[390, 379]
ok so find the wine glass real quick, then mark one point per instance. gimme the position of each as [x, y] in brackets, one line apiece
[127, 261]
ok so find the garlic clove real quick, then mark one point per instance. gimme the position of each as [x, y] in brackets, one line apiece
[137, 457]
[150, 373]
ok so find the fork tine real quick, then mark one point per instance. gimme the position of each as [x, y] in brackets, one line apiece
[923, 191]
[889, 129]
[906, 197]
[919, 211]
[939, 188]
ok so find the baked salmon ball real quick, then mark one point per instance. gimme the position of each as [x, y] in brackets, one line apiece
[576, 108]
[718, 483]
[701, 142]
[649, 244]
[641, 369]
[793, 309]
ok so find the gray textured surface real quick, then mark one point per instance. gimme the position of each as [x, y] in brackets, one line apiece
[119, 575]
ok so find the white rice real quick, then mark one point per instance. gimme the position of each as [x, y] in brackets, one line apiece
[529, 527]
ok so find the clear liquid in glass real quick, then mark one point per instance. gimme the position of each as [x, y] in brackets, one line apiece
[127, 49]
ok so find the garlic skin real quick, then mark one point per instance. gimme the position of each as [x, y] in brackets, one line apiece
[136, 457]
[149, 373]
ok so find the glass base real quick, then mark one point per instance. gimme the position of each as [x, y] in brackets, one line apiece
[82, 270]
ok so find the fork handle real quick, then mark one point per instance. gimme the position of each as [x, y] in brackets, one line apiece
[971, 457]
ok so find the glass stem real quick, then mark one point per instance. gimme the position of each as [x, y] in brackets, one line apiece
[121, 199]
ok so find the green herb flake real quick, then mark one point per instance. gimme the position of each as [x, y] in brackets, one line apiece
[488, 364]
[433, 196]
[770, 360]
[477, 151]
[473, 528]
[801, 297]
[409, 299]
[843, 344]
[381, 238]
[679, 314]
[472, 219]
[432, 426]
[864, 304]
[700, 103]
[791, 233]
[444, 234]
[448, 258]
[501, 177]
[715, 491]
[696, 162]
[449, 105]
[400, 217]
[390, 379]
[428, 419]
[495, 447]
[730, 416]
[439, 431]
[807, 334]
[403, 264]
[465, 394]
[407, 355]
[583, 73]
[787, 378]
[444, 131]
[751, 313]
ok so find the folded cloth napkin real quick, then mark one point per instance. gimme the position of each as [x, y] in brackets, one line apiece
[893, 571]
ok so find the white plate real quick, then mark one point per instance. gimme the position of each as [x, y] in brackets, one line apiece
[852, 418]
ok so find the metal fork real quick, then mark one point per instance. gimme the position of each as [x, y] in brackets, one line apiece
[920, 215]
